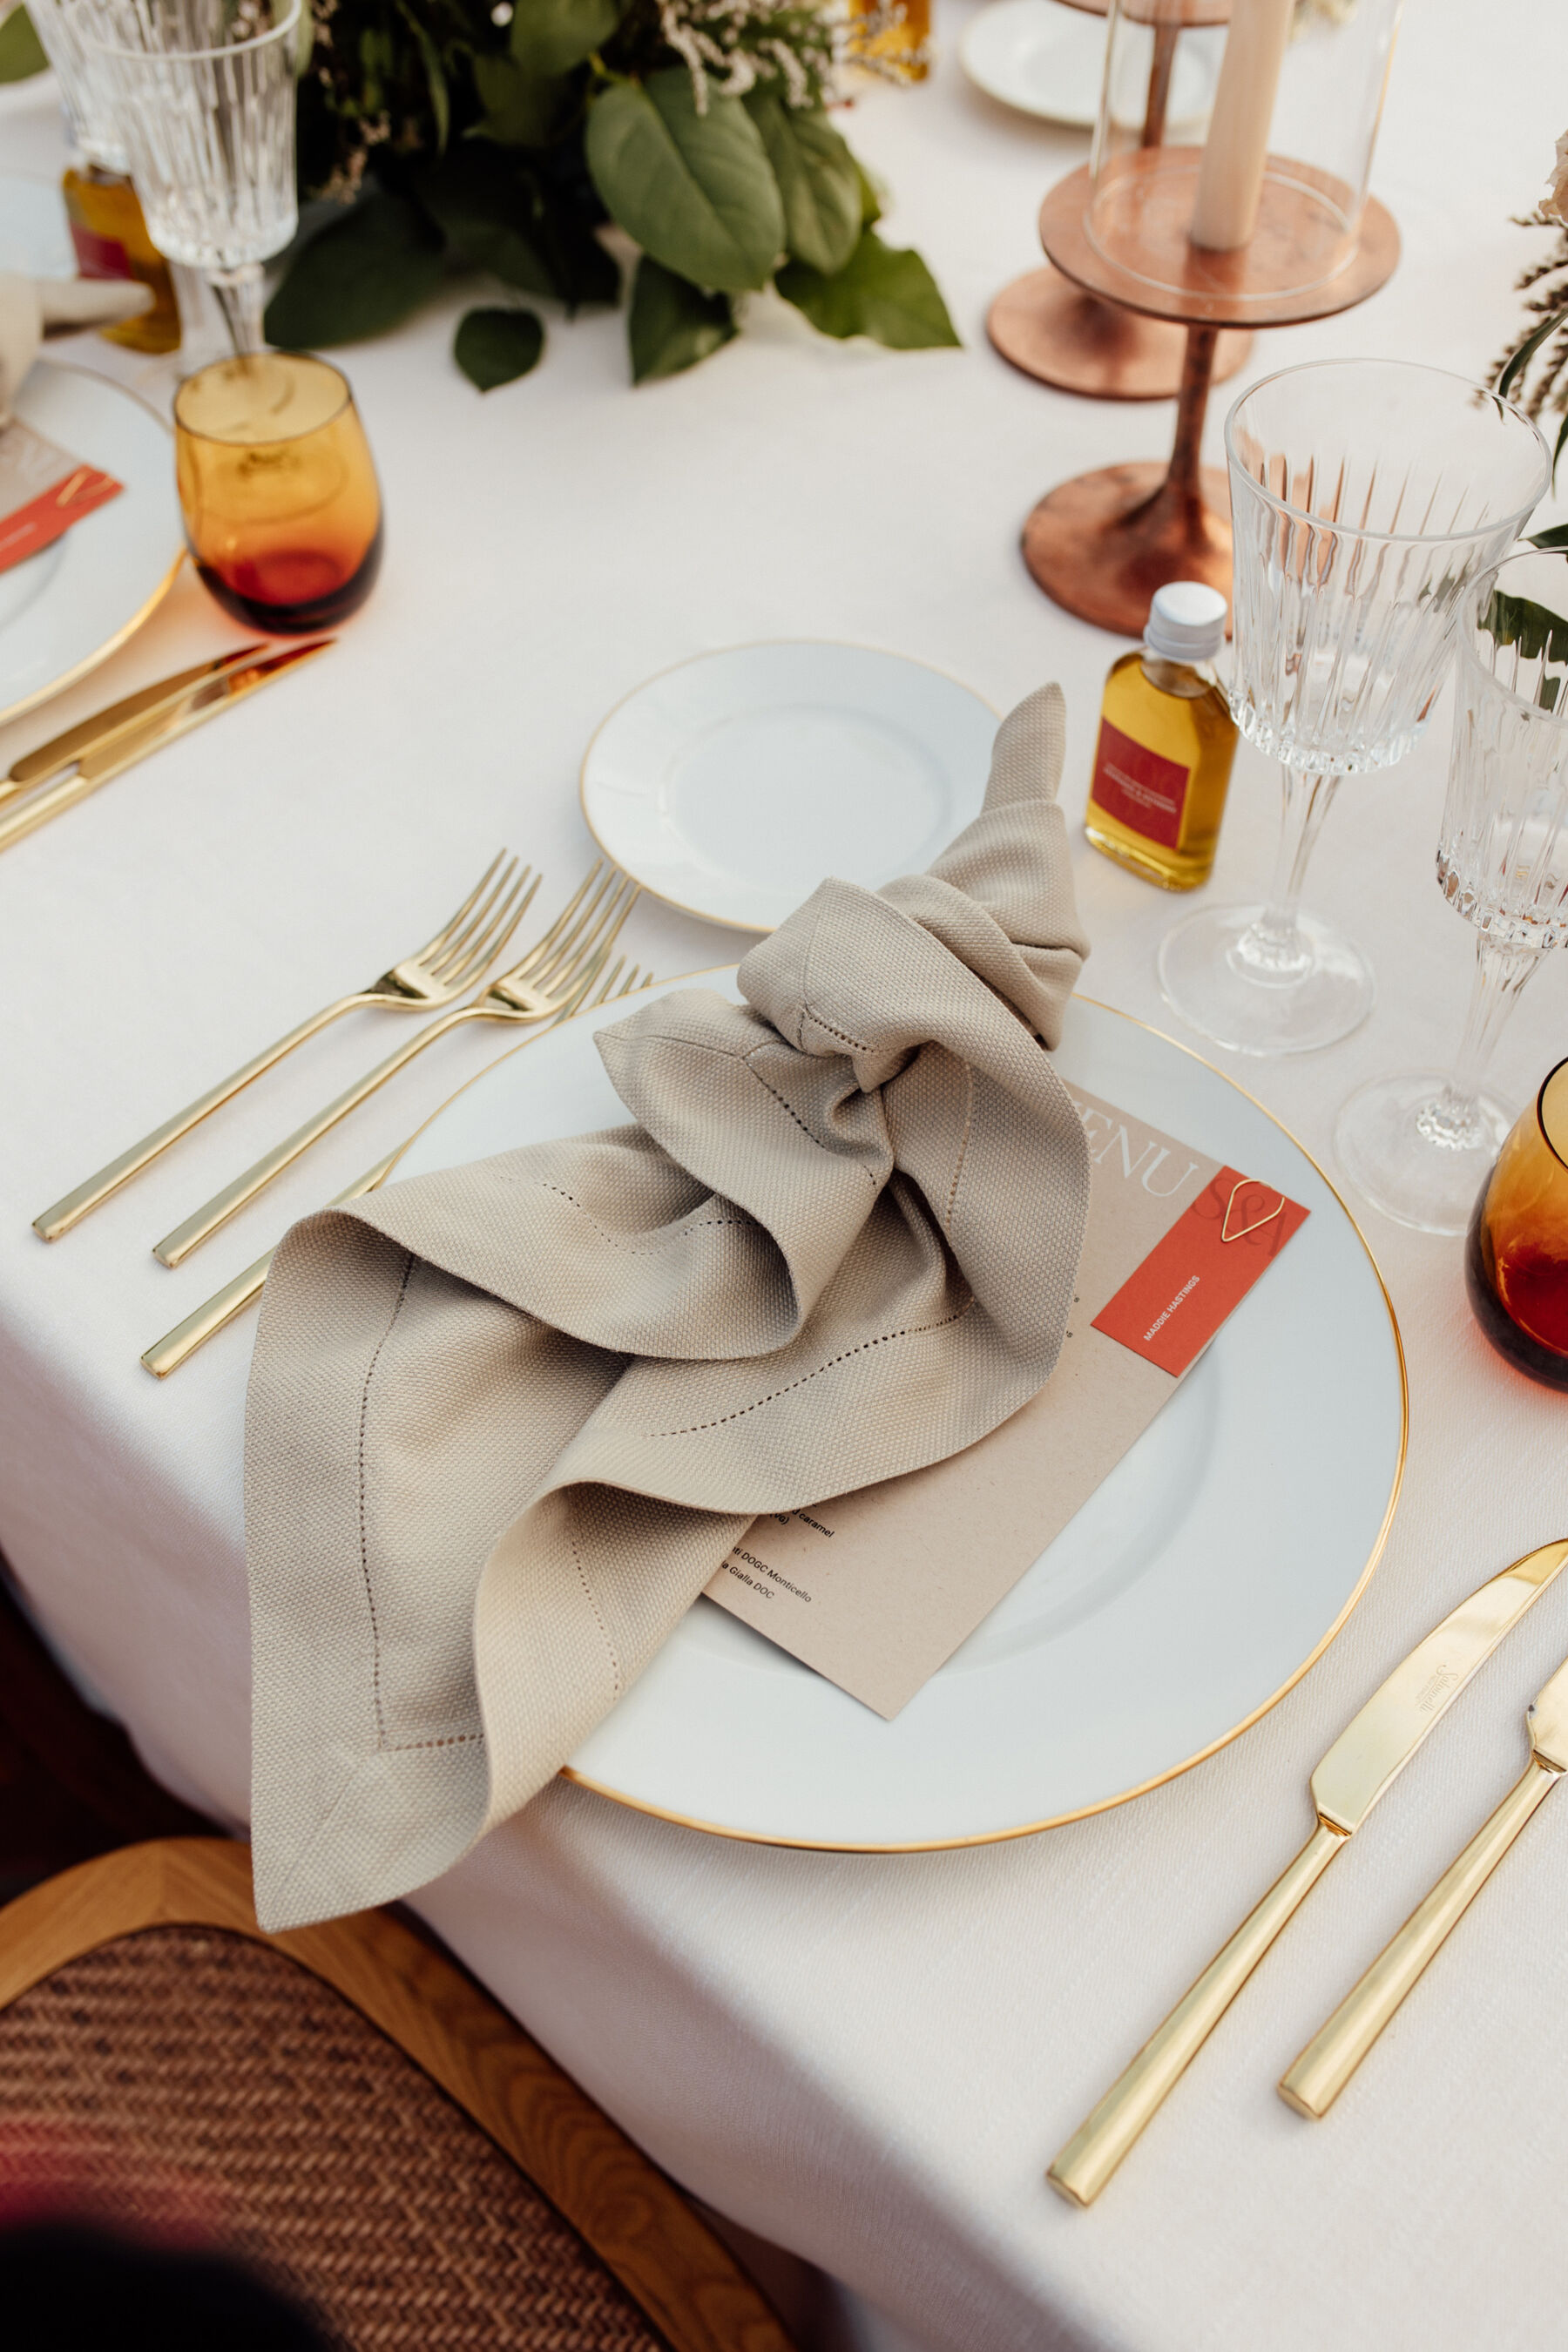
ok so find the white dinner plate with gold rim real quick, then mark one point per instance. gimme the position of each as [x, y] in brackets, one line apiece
[70, 606]
[733, 784]
[1214, 1564]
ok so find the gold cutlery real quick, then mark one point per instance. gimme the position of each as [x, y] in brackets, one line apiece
[536, 989]
[125, 743]
[1326, 2064]
[459, 955]
[1347, 1783]
[91, 734]
[167, 1354]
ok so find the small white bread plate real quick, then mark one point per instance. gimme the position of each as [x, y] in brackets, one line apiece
[1215, 1563]
[70, 606]
[1046, 58]
[731, 785]
[35, 235]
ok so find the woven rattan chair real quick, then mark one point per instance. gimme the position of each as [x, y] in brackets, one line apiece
[344, 2110]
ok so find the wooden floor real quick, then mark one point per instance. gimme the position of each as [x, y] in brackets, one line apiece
[70, 1784]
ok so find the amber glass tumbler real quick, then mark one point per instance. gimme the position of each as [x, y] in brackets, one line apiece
[1516, 1259]
[277, 489]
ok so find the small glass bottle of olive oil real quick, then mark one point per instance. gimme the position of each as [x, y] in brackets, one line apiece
[1161, 766]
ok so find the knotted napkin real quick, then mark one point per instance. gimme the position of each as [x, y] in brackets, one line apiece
[506, 1422]
[32, 307]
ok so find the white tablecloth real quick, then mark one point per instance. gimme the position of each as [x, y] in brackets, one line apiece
[869, 2060]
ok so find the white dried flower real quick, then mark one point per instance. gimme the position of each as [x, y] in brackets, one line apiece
[1555, 202]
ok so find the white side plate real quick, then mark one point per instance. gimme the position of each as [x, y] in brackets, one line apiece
[731, 785]
[70, 606]
[1045, 58]
[1214, 1564]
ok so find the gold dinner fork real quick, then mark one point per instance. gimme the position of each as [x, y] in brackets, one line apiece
[571, 954]
[167, 1354]
[460, 955]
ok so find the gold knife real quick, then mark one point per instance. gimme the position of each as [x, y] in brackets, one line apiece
[1337, 2049]
[127, 744]
[38, 767]
[1346, 1785]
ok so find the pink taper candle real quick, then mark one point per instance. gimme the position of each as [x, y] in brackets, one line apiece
[1230, 180]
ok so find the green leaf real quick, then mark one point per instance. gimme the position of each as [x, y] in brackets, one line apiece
[521, 110]
[696, 191]
[1534, 628]
[819, 180]
[1556, 537]
[889, 296]
[495, 347]
[1525, 354]
[871, 200]
[21, 51]
[435, 73]
[550, 36]
[485, 209]
[673, 324]
[1560, 443]
[361, 275]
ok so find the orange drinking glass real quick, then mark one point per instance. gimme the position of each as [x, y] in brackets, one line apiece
[277, 489]
[1516, 1259]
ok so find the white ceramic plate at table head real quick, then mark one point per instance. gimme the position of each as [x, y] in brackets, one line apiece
[70, 606]
[1200, 1581]
[1045, 58]
[35, 235]
[731, 785]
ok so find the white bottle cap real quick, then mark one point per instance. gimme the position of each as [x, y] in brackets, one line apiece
[1187, 622]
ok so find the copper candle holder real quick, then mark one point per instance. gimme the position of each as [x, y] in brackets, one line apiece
[1101, 543]
[1060, 334]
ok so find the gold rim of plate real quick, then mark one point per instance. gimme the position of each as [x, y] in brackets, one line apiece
[1199, 1756]
[127, 629]
[717, 653]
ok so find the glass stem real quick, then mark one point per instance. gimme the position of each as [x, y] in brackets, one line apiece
[1275, 947]
[1454, 1120]
[238, 293]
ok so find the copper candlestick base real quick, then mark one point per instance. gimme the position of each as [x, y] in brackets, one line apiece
[1103, 544]
[1051, 330]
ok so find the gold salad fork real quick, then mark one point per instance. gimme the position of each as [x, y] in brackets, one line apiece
[536, 989]
[460, 955]
[167, 1354]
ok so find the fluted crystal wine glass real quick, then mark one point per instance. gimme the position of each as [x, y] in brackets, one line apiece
[202, 93]
[1367, 496]
[1420, 1146]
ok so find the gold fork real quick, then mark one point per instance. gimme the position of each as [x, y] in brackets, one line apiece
[460, 953]
[536, 989]
[167, 1354]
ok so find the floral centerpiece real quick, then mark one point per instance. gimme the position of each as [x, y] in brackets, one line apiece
[503, 134]
[1535, 368]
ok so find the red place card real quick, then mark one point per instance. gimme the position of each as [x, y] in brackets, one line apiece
[43, 490]
[1169, 1310]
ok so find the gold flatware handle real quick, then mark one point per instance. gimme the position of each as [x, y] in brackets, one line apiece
[1098, 2144]
[176, 1246]
[75, 1205]
[167, 1354]
[1326, 2064]
[120, 717]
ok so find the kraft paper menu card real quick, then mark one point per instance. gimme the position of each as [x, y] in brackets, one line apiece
[876, 1588]
[43, 490]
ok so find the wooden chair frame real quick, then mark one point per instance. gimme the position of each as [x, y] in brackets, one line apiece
[636, 2221]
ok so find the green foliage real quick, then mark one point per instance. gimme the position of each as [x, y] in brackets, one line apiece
[21, 51]
[695, 190]
[494, 346]
[455, 141]
[889, 296]
[672, 323]
[818, 179]
[358, 278]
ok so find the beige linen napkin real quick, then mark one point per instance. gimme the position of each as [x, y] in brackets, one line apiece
[506, 1422]
[32, 307]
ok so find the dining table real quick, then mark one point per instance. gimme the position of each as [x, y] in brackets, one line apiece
[861, 2062]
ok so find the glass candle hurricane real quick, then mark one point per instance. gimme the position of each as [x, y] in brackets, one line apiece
[1516, 1259]
[278, 491]
[1367, 497]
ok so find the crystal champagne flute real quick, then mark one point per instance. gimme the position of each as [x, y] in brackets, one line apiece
[1366, 497]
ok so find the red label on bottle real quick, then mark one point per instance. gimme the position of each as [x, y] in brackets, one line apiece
[1136, 787]
[98, 256]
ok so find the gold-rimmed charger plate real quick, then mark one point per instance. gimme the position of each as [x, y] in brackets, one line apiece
[1211, 1569]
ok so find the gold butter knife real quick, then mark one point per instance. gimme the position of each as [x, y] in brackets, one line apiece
[92, 734]
[127, 743]
[1320, 2073]
[1347, 1783]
